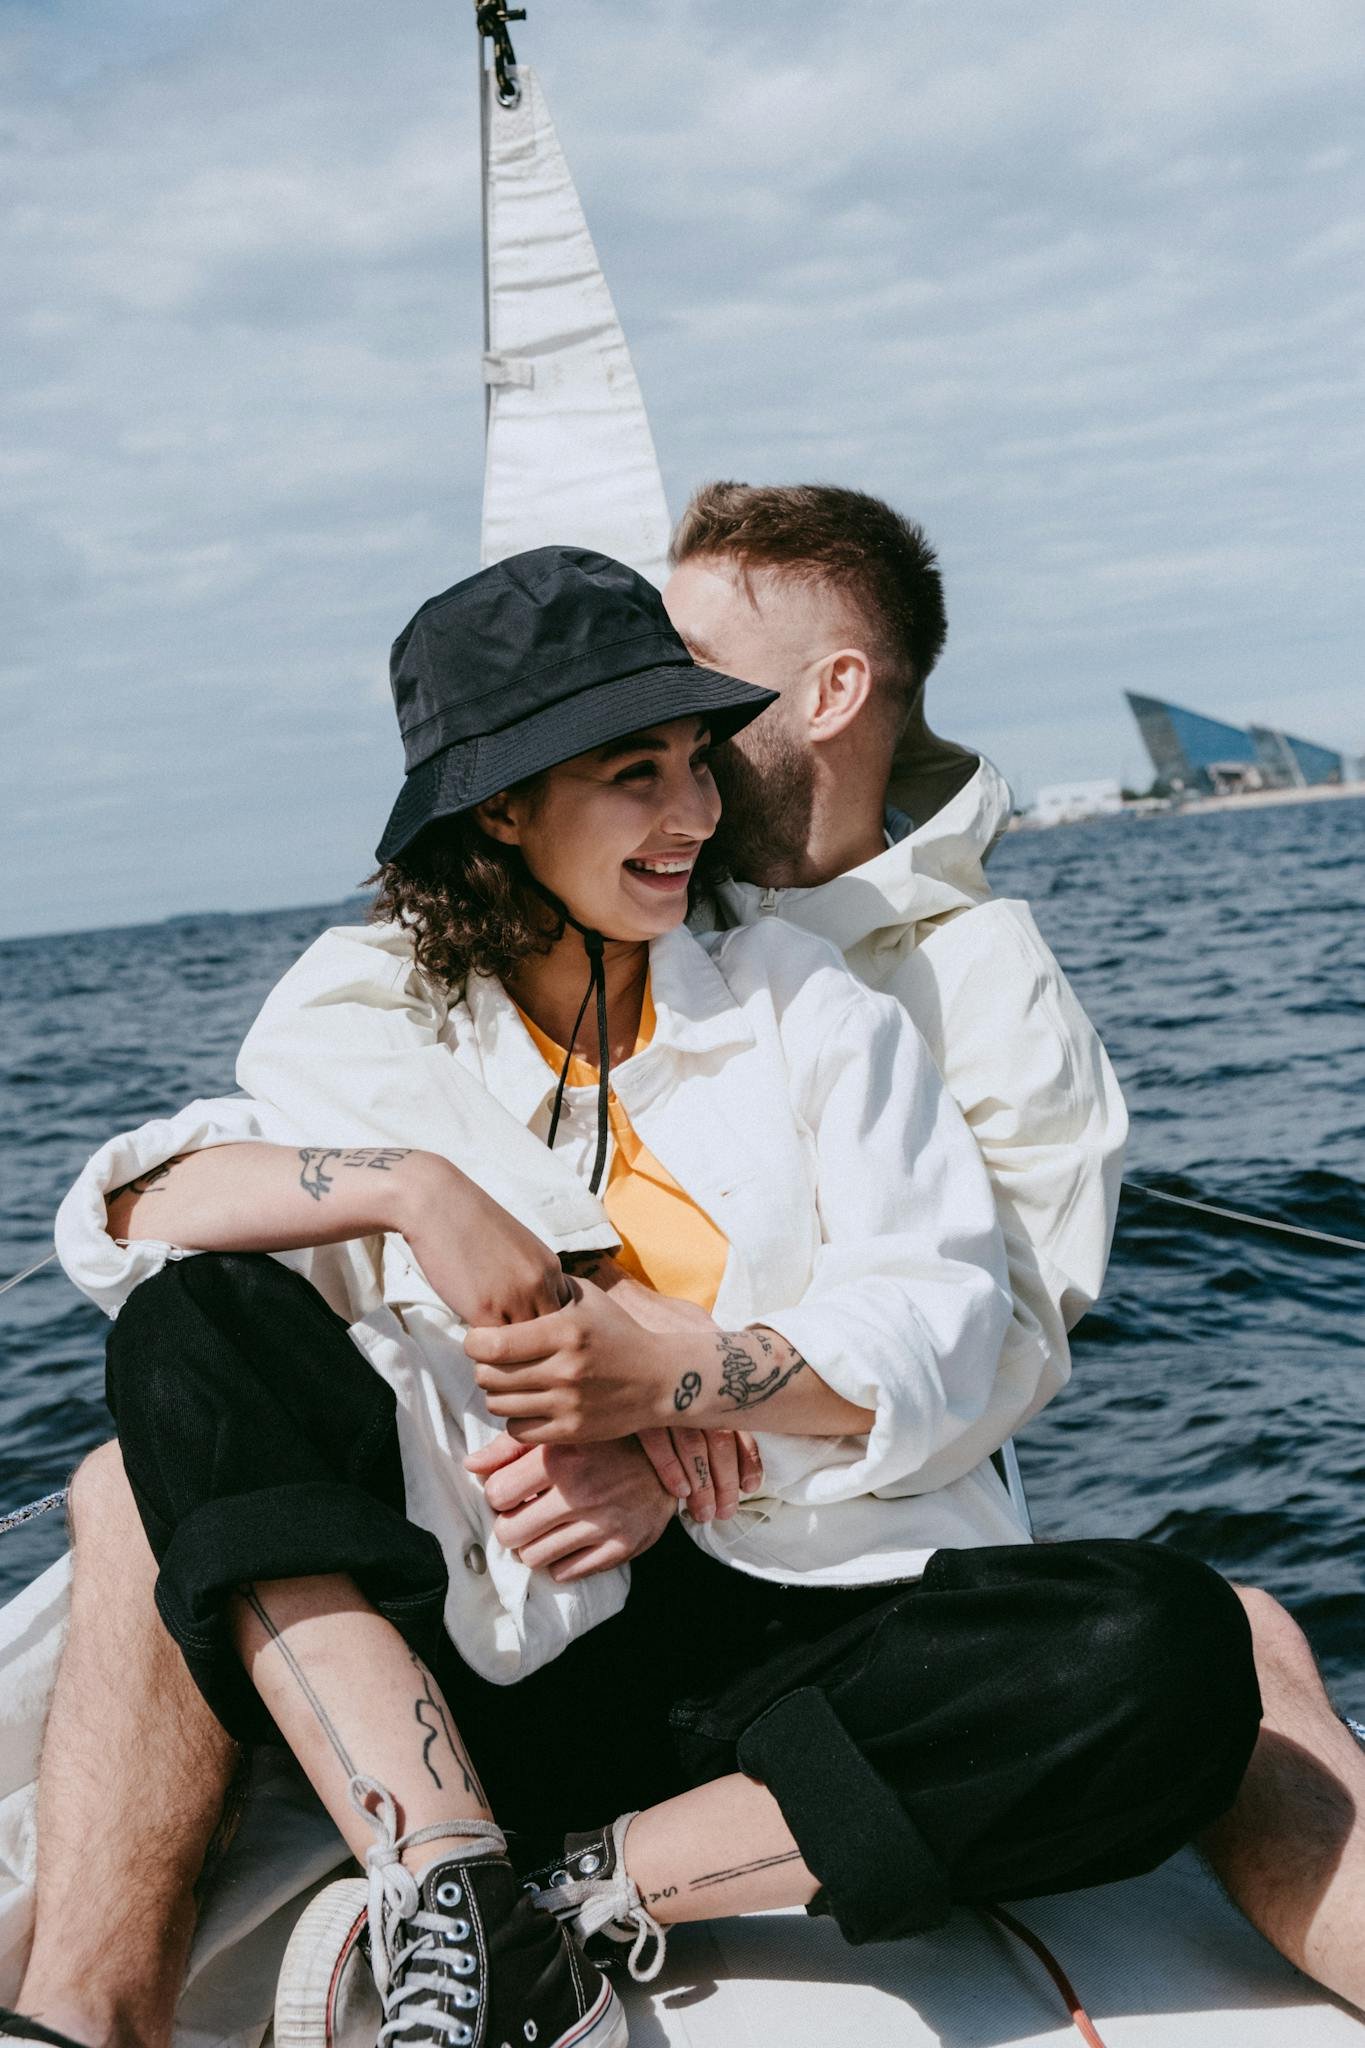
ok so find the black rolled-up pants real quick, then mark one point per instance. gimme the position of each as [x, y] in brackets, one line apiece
[1021, 1720]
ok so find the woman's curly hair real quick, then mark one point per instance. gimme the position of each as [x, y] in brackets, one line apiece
[468, 901]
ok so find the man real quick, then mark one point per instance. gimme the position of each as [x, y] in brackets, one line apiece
[828, 597]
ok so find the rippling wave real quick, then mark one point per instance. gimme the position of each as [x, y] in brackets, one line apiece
[1218, 1393]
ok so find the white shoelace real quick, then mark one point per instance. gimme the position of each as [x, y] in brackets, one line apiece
[427, 1966]
[639, 1927]
[612, 1907]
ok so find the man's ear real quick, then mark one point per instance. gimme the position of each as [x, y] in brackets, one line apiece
[497, 816]
[843, 686]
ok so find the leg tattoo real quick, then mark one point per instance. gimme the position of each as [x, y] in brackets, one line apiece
[343, 1756]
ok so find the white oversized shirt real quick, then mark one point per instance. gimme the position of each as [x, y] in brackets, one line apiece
[803, 1113]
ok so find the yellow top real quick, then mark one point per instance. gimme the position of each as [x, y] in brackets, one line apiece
[667, 1242]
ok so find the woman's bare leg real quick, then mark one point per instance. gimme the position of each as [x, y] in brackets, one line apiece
[353, 1701]
[721, 1849]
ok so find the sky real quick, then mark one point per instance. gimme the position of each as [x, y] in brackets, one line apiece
[1078, 287]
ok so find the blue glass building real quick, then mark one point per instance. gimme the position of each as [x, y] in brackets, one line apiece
[1197, 754]
[1295, 762]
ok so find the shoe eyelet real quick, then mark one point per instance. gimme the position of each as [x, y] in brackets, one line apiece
[558, 1880]
[589, 1865]
[449, 1893]
[458, 1930]
[530, 2030]
[464, 1962]
[463, 1995]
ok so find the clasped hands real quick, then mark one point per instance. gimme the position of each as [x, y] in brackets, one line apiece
[590, 1472]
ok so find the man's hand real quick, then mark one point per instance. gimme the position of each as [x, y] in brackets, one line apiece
[708, 1468]
[572, 1510]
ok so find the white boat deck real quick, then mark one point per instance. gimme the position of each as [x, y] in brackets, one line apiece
[1159, 1962]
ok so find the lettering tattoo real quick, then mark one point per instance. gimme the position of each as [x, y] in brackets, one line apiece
[686, 1391]
[743, 1380]
[148, 1183]
[700, 1467]
[316, 1180]
[736, 1871]
[300, 1677]
[439, 1724]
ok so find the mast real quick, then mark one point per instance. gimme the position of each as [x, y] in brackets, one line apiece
[491, 18]
[568, 454]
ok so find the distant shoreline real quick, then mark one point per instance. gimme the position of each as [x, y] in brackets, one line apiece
[1267, 799]
[1197, 806]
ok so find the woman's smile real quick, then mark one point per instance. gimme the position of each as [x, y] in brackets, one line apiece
[662, 874]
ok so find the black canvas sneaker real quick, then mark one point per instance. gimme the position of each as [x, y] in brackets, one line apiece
[460, 1957]
[586, 1885]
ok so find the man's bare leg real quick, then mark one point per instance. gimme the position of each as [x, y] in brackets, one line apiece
[131, 1786]
[1291, 1851]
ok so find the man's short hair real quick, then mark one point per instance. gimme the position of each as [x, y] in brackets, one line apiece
[882, 565]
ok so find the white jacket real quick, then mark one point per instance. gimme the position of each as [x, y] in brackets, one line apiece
[805, 1116]
[353, 1031]
[1018, 1054]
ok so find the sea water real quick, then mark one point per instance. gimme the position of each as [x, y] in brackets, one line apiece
[1218, 1396]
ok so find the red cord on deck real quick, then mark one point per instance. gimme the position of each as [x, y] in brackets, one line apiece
[1080, 2018]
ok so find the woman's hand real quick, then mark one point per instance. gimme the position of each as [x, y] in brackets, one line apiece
[588, 1372]
[484, 1265]
[708, 1468]
[584, 1374]
[572, 1509]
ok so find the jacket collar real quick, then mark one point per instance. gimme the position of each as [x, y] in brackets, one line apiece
[695, 1014]
[934, 869]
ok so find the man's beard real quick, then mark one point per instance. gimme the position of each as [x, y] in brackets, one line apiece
[769, 799]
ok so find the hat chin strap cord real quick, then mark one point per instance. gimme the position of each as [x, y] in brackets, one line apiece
[593, 943]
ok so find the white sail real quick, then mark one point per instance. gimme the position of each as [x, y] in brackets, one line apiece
[570, 457]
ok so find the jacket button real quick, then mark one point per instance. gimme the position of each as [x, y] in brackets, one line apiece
[475, 1560]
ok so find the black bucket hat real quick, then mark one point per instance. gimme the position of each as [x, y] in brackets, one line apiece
[526, 664]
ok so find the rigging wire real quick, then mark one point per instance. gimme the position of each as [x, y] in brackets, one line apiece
[1352, 1244]
[18, 1516]
[36, 1267]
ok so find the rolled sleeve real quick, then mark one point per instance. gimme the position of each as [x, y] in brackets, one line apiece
[909, 1301]
[103, 1267]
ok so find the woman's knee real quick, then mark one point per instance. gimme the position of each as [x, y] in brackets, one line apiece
[177, 1326]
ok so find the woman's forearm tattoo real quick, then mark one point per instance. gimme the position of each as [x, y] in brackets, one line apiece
[317, 1181]
[148, 1183]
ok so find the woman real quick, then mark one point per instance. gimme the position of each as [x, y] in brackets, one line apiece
[774, 1146]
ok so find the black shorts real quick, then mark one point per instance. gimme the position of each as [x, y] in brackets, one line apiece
[1022, 1719]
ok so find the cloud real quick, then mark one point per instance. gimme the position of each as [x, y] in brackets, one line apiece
[1079, 289]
